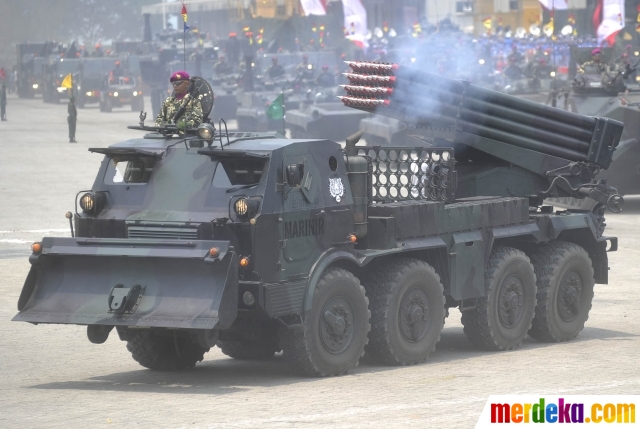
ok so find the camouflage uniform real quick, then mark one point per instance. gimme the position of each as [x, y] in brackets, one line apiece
[598, 65]
[192, 116]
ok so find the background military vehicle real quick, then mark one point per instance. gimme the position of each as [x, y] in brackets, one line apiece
[30, 59]
[91, 79]
[613, 97]
[257, 243]
[119, 91]
[57, 69]
[324, 116]
[297, 88]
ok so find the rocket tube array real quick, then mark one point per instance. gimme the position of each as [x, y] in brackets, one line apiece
[420, 97]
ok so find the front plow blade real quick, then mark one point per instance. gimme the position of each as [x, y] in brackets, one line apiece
[129, 283]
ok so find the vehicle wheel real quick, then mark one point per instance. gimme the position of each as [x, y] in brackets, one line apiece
[333, 334]
[248, 350]
[164, 353]
[565, 291]
[502, 318]
[406, 300]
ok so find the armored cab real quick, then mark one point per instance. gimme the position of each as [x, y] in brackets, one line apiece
[257, 243]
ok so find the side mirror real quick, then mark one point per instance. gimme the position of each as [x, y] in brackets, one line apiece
[294, 175]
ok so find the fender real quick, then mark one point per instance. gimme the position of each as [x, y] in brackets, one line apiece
[327, 258]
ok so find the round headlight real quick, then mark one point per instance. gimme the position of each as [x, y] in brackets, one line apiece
[35, 86]
[88, 93]
[206, 131]
[115, 94]
[135, 93]
[87, 203]
[241, 207]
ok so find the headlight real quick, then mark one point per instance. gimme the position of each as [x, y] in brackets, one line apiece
[206, 131]
[91, 202]
[88, 93]
[35, 86]
[552, 74]
[115, 94]
[241, 207]
[135, 93]
[87, 203]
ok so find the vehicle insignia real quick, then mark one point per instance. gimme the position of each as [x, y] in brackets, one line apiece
[336, 189]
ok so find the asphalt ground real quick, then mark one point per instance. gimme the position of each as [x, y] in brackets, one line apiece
[52, 377]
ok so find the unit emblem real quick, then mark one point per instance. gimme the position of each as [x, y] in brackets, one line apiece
[336, 188]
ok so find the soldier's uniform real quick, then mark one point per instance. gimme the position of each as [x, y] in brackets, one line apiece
[192, 116]
[325, 78]
[3, 102]
[595, 62]
[275, 70]
[222, 67]
[71, 120]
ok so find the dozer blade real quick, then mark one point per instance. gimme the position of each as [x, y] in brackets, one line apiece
[126, 282]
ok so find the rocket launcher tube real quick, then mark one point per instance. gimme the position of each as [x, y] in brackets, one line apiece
[367, 91]
[372, 67]
[370, 80]
[502, 124]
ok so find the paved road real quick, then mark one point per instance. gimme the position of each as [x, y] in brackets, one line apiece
[53, 377]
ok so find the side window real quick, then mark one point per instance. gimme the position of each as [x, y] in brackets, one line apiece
[134, 170]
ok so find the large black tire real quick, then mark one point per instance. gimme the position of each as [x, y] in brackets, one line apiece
[159, 352]
[565, 291]
[334, 332]
[503, 316]
[248, 350]
[407, 311]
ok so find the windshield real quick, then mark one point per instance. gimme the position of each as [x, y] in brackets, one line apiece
[66, 67]
[98, 66]
[238, 171]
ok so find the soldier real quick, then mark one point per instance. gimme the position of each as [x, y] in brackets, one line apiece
[71, 119]
[325, 79]
[595, 63]
[221, 66]
[304, 70]
[3, 102]
[192, 116]
[275, 70]
[117, 71]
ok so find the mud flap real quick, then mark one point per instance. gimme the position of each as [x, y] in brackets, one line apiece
[103, 282]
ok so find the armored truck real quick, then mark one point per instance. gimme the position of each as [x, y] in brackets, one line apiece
[259, 244]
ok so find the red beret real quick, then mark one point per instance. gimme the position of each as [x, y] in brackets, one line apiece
[179, 75]
[595, 51]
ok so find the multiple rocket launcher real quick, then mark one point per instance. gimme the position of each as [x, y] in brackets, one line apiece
[426, 99]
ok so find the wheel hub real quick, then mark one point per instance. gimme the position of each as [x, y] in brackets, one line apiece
[510, 302]
[336, 327]
[414, 315]
[569, 296]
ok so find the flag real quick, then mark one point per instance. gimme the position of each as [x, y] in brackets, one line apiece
[275, 110]
[612, 20]
[67, 82]
[487, 23]
[314, 7]
[355, 18]
[555, 4]
[184, 12]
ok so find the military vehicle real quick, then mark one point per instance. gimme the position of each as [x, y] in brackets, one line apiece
[608, 95]
[30, 59]
[297, 87]
[323, 116]
[57, 69]
[257, 243]
[119, 91]
[91, 82]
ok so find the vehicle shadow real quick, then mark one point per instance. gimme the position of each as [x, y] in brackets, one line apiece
[222, 375]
